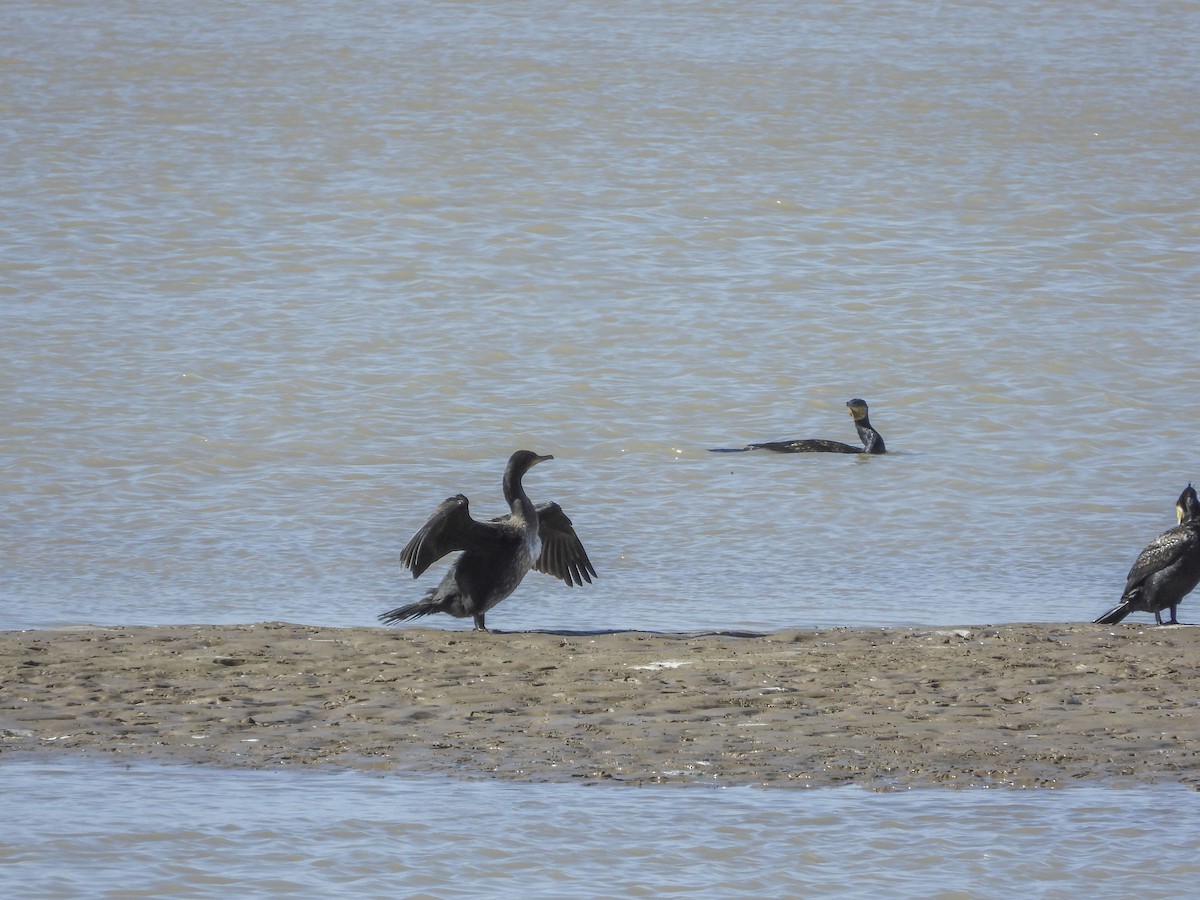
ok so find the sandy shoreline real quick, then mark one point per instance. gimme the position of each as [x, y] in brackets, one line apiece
[1017, 705]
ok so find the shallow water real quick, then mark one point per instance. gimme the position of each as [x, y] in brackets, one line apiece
[277, 279]
[90, 827]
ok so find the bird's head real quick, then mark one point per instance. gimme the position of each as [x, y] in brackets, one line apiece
[524, 460]
[1187, 507]
[858, 409]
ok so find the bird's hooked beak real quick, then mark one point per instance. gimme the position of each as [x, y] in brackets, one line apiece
[540, 459]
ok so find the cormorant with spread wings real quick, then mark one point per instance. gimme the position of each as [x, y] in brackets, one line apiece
[495, 555]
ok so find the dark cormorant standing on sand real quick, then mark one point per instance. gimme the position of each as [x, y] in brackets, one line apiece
[1166, 571]
[496, 554]
[872, 442]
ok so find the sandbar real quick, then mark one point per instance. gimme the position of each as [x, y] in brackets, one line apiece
[1015, 705]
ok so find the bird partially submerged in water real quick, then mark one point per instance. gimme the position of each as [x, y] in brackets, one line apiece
[871, 439]
[1167, 570]
[496, 554]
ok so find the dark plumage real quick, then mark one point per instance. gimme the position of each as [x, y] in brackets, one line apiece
[871, 439]
[496, 554]
[1167, 570]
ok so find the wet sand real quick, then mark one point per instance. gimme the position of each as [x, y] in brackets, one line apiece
[1011, 705]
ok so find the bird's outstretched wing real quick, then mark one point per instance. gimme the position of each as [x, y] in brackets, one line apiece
[450, 528]
[1164, 550]
[563, 555]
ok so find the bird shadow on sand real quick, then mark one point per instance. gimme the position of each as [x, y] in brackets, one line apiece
[680, 635]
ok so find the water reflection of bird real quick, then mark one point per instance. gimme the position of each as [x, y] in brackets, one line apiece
[871, 439]
[496, 554]
[1167, 570]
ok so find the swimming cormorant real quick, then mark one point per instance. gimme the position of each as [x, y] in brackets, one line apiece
[496, 554]
[872, 441]
[1166, 571]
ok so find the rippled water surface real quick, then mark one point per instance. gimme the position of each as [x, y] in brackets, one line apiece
[148, 831]
[276, 278]
[279, 278]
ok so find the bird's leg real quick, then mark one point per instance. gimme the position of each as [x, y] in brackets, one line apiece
[479, 626]
[1174, 620]
[1158, 617]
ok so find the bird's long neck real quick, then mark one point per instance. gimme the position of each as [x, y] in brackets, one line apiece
[872, 442]
[518, 501]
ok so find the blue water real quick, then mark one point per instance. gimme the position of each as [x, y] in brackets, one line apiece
[282, 279]
[92, 828]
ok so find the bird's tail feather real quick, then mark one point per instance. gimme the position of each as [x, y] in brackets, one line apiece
[402, 613]
[1114, 615]
[431, 604]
